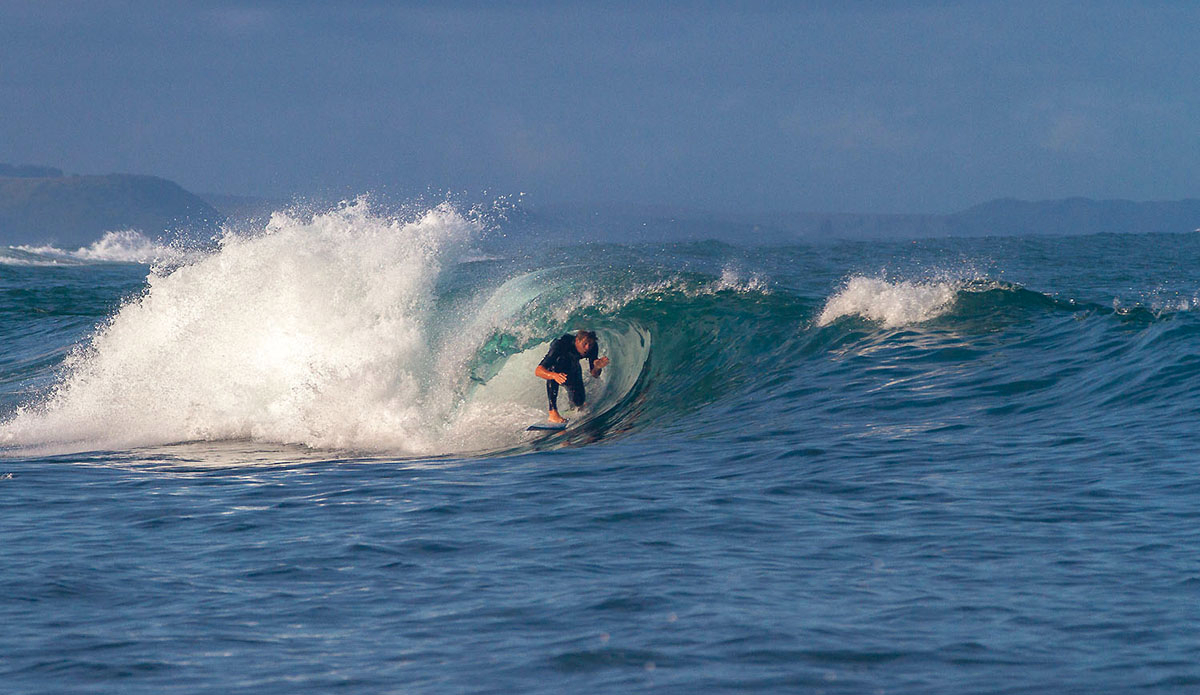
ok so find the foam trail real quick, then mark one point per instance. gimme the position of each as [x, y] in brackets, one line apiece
[892, 304]
[311, 332]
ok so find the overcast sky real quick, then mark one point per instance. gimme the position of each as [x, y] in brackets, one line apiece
[805, 106]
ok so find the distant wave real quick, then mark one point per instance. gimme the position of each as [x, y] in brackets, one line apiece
[898, 303]
[124, 246]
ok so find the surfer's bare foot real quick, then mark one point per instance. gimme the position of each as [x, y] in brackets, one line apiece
[555, 417]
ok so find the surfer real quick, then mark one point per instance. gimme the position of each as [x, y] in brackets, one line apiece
[561, 366]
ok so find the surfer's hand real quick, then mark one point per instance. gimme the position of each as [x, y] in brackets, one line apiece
[560, 377]
[600, 363]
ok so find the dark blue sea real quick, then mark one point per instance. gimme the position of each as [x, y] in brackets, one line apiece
[294, 461]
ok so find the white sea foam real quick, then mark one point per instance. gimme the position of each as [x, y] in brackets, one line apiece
[321, 332]
[892, 304]
[123, 246]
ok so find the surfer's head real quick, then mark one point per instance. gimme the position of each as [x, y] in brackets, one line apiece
[585, 341]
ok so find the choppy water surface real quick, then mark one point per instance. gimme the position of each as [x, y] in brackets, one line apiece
[296, 463]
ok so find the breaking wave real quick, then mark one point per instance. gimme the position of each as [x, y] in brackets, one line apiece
[350, 330]
[124, 246]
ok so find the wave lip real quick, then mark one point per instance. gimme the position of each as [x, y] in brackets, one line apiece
[892, 304]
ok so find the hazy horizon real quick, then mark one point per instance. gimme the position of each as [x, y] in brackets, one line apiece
[888, 107]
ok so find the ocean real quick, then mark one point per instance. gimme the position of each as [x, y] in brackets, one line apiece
[293, 460]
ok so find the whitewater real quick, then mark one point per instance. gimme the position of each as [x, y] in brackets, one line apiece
[293, 459]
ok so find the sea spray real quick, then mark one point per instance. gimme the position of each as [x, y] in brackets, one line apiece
[892, 304]
[310, 332]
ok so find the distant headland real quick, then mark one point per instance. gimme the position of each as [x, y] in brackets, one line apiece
[44, 205]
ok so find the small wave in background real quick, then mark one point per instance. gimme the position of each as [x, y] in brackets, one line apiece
[124, 246]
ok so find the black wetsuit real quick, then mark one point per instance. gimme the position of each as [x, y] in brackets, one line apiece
[564, 358]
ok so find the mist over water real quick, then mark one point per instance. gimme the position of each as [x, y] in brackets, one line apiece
[928, 466]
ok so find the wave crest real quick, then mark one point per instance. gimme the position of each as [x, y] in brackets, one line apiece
[892, 304]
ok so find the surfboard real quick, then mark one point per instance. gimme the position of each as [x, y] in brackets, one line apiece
[547, 427]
